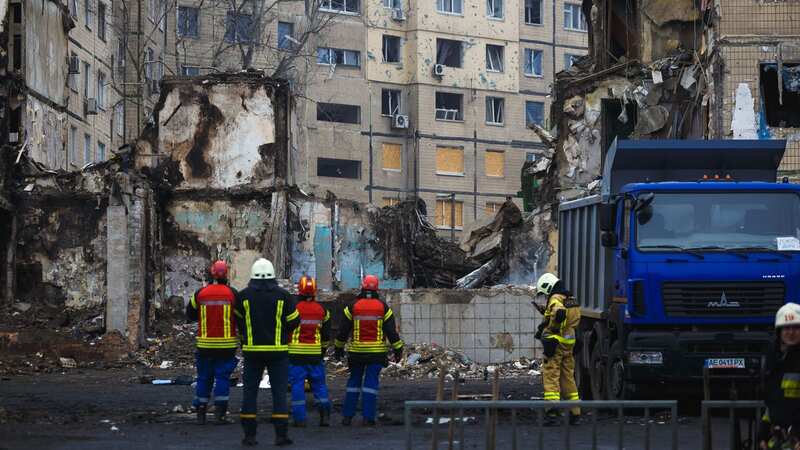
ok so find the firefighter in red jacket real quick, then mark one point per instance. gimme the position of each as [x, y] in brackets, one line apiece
[307, 345]
[372, 322]
[212, 308]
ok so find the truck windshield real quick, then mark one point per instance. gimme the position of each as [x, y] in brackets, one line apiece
[722, 221]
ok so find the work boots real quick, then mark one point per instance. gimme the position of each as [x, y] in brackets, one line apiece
[574, 419]
[324, 418]
[249, 441]
[201, 414]
[220, 415]
[299, 424]
[552, 419]
[282, 435]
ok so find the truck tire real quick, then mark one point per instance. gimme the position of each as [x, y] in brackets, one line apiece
[582, 377]
[597, 373]
[616, 385]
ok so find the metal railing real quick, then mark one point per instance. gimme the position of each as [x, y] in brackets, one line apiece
[491, 409]
[736, 414]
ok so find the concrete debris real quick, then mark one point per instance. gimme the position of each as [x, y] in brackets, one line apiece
[165, 365]
[651, 119]
[68, 363]
[743, 123]
[22, 306]
[662, 12]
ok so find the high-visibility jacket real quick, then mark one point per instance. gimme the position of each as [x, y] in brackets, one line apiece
[266, 315]
[312, 336]
[212, 307]
[372, 324]
[781, 396]
[562, 316]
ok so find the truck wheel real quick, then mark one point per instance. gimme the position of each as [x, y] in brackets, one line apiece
[597, 373]
[616, 385]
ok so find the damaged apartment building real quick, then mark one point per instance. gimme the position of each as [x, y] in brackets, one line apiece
[687, 69]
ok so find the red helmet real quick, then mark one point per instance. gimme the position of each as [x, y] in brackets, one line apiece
[307, 286]
[219, 270]
[370, 283]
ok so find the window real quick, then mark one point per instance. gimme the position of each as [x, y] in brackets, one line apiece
[16, 12]
[394, 4]
[190, 71]
[450, 6]
[390, 201]
[335, 112]
[87, 78]
[533, 12]
[152, 6]
[449, 106]
[530, 156]
[338, 168]
[448, 52]
[101, 90]
[391, 49]
[340, 57]
[534, 113]
[445, 214]
[494, 110]
[17, 51]
[494, 9]
[390, 102]
[492, 208]
[495, 162]
[72, 157]
[121, 57]
[285, 35]
[162, 14]
[573, 17]
[782, 107]
[340, 6]
[101, 21]
[119, 118]
[238, 27]
[73, 77]
[89, 14]
[392, 157]
[494, 58]
[569, 60]
[73, 8]
[87, 149]
[149, 61]
[187, 25]
[533, 62]
[101, 151]
[450, 161]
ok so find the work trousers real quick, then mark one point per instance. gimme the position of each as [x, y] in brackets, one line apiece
[297, 378]
[558, 374]
[213, 373]
[364, 379]
[277, 365]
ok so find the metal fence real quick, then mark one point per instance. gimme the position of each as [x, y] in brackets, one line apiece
[454, 412]
[741, 412]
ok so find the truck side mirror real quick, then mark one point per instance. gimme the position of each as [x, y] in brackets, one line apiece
[608, 239]
[607, 216]
[644, 215]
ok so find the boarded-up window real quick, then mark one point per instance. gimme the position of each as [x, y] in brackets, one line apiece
[390, 201]
[444, 214]
[392, 157]
[450, 161]
[492, 208]
[495, 163]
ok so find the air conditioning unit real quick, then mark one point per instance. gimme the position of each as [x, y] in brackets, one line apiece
[438, 70]
[90, 106]
[74, 65]
[399, 121]
[398, 14]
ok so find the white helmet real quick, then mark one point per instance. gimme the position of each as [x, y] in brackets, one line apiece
[262, 269]
[546, 283]
[789, 314]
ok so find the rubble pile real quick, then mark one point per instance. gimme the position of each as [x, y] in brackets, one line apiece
[424, 361]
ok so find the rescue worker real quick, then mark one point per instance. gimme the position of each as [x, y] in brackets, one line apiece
[267, 316]
[212, 308]
[371, 321]
[780, 425]
[307, 346]
[557, 333]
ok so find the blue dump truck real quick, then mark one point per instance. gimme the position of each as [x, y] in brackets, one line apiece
[680, 264]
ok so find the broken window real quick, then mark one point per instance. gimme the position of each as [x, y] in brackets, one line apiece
[17, 52]
[780, 92]
[445, 213]
[449, 106]
[393, 4]
[336, 112]
[188, 21]
[149, 60]
[101, 90]
[623, 35]
[87, 78]
[392, 157]
[16, 12]
[347, 6]
[492, 208]
[338, 168]
[73, 8]
[569, 60]
[390, 102]
[573, 17]
[339, 57]
[190, 71]
[101, 21]
[450, 6]
[617, 122]
[495, 162]
[448, 52]
[450, 161]
[390, 201]
[494, 110]
[530, 156]
[533, 62]
[89, 14]
[533, 12]
[391, 49]
[119, 118]
[534, 113]
[73, 144]
[101, 151]
[494, 58]
[286, 35]
[494, 9]
[87, 149]
[238, 27]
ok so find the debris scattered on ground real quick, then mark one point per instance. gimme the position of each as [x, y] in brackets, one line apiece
[165, 365]
[424, 361]
[68, 363]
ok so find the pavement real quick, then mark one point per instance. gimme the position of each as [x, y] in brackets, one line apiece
[111, 409]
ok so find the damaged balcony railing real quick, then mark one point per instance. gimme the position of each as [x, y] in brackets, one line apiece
[738, 411]
[455, 411]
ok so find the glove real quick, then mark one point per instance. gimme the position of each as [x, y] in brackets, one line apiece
[539, 332]
[338, 353]
[398, 355]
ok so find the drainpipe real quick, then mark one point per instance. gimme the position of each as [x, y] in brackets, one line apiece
[369, 188]
[11, 248]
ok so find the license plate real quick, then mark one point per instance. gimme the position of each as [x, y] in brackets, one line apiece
[725, 363]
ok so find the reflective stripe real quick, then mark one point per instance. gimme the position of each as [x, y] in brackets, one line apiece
[249, 324]
[292, 316]
[367, 390]
[380, 331]
[193, 302]
[387, 315]
[280, 416]
[299, 403]
[265, 348]
[356, 331]
[278, 322]
[295, 336]
[310, 322]
[201, 399]
[563, 340]
[353, 389]
[323, 401]
[367, 318]
[247, 416]
[551, 396]
[397, 345]
[305, 349]
[215, 302]
[327, 316]
[338, 344]
[203, 325]
[226, 318]
[221, 398]
[347, 313]
[573, 396]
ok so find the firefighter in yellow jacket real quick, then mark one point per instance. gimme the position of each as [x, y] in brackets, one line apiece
[557, 333]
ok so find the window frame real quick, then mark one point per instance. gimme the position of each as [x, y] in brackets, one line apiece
[324, 113]
[526, 112]
[73, 8]
[323, 160]
[87, 81]
[452, 9]
[119, 118]
[184, 72]
[102, 24]
[283, 43]
[88, 14]
[573, 7]
[395, 4]
[492, 111]
[445, 173]
[541, 13]
[232, 20]
[533, 52]
[383, 157]
[390, 93]
[101, 96]
[72, 81]
[101, 151]
[490, 16]
[485, 166]
[455, 205]
[183, 27]
[73, 136]
[459, 115]
[88, 151]
[331, 51]
[460, 53]
[391, 38]
[571, 57]
[501, 60]
[331, 9]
